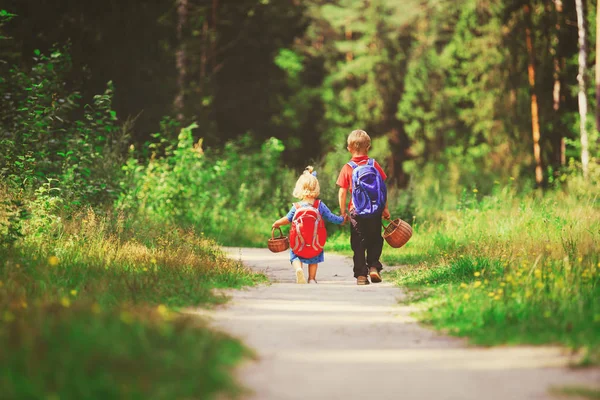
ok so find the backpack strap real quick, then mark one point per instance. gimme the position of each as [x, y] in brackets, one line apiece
[371, 162]
[316, 204]
[353, 164]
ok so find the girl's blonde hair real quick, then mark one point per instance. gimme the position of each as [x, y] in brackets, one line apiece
[307, 185]
[359, 140]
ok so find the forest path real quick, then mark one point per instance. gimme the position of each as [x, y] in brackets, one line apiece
[337, 340]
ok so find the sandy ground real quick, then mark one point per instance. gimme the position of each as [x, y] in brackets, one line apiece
[336, 340]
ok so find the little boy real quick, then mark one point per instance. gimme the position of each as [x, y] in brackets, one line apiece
[365, 230]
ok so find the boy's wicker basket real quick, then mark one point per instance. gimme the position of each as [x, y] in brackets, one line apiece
[397, 233]
[278, 244]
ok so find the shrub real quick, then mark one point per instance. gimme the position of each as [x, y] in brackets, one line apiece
[232, 194]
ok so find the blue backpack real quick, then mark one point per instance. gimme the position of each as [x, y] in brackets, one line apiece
[369, 192]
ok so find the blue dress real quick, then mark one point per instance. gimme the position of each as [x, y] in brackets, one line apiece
[329, 216]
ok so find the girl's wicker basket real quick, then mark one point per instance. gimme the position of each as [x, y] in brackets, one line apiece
[397, 233]
[278, 244]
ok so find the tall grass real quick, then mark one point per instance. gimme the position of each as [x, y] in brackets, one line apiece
[504, 268]
[88, 306]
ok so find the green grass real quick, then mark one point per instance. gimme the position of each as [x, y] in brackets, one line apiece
[509, 270]
[89, 309]
[83, 352]
[577, 392]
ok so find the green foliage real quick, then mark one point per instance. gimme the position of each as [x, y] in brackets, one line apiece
[232, 194]
[42, 141]
[73, 352]
[88, 306]
[509, 269]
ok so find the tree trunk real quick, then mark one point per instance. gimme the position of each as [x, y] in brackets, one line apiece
[535, 122]
[400, 152]
[598, 65]
[180, 58]
[556, 55]
[558, 140]
[204, 51]
[581, 80]
[213, 39]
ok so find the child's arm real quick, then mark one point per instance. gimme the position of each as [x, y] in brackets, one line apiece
[342, 200]
[329, 216]
[386, 213]
[280, 222]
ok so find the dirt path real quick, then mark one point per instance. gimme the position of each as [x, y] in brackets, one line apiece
[336, 340]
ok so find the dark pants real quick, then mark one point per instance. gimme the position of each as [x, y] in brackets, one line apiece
[366, 242]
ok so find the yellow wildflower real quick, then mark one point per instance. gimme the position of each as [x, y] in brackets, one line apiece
[539, 285]
[466, 296]
[53, 261]
[491, 294]
[145, 269]
[502, 284]
[65, 302]
[477, 273]
[73, 292]
[162, 310]
[497, 297]
[126, 317]
[477, 284]
[463, 285]
[475, 190]
[153, 260]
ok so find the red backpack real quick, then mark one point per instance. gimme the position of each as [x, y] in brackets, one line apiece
[307, 234]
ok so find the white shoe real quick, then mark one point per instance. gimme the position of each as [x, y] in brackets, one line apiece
[312, 281]
[300, 276]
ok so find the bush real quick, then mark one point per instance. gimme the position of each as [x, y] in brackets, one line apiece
[232, 194]
[42, 139]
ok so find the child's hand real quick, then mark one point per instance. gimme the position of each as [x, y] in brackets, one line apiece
[386, 214]
[346, 218]
[275, 225]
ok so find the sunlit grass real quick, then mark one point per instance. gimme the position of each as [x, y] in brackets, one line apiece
[88, 309]
[507, 270]
[577, 392]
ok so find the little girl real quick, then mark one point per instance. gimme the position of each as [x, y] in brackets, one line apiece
[307, 189]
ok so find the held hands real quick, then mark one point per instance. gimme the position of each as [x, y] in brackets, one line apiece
[346, 218]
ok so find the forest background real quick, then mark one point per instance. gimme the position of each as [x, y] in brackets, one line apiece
[135, 136]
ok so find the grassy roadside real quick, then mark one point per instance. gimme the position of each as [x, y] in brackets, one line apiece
[509, 271]
[502, 269]
[89, 306]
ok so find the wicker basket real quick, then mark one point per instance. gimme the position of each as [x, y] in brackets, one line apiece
[397, 233]
[278, 244]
